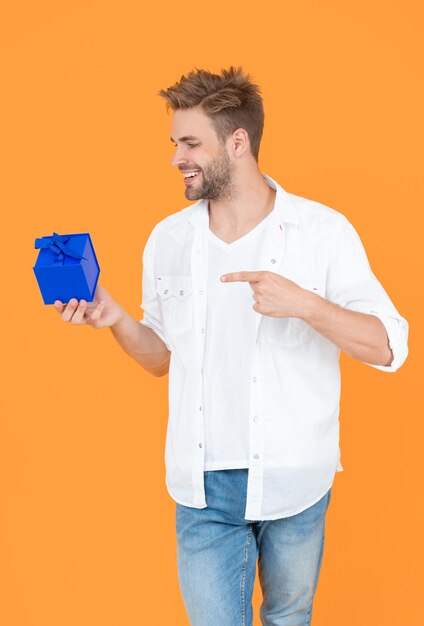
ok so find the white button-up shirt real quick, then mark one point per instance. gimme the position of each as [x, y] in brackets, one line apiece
[293, 421]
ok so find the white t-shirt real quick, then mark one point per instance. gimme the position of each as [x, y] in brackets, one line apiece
[230, 336]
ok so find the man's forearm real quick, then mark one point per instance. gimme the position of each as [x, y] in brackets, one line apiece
[360, 335]
[142, 344]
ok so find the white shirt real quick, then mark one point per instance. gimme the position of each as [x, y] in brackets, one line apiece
[230, 321]
[294, 390]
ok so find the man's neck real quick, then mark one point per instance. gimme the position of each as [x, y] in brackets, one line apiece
[255, 198]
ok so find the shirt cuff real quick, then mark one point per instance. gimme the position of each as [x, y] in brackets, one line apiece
[397, 332]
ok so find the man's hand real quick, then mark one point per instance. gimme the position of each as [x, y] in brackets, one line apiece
[274, 294]
[100, 313]
[361, 335]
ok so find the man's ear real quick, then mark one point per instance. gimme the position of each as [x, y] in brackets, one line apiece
[240, 141]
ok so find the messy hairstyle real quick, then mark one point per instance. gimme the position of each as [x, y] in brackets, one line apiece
[229, 99]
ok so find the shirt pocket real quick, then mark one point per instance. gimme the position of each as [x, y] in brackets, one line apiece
[285, 331]
[175, 297]
[291, 331]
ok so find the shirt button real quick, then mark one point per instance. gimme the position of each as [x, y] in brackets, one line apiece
[198, 250]
[254, 379]
[202, 330]
[255, 419]
[200, 408]
[256, 456]
[200, 292]
[200, 445]
[181, 292]
[273, 261]
[166, 291]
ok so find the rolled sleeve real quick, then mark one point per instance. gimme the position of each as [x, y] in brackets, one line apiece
[150, 305]
[352, 284]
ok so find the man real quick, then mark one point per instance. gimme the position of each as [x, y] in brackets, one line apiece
[249, 295]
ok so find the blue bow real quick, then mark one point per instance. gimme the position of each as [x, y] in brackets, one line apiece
[57, 244]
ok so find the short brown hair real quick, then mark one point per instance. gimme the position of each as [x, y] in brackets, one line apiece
[230, 99]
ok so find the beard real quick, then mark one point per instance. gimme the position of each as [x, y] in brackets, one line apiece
[217, 180]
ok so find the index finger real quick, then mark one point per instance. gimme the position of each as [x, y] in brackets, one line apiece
[251, 277]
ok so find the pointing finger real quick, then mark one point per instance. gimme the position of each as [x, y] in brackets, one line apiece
[242, 276]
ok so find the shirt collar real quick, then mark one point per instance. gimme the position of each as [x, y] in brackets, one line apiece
[284, 210]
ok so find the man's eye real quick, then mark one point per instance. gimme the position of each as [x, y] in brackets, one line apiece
[190, 145]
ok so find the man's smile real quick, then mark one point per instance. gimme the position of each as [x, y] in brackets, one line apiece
[190, 175]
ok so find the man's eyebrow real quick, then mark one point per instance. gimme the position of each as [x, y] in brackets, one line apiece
[186, 138]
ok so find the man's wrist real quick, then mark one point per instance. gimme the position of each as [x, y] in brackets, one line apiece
[313, 307]
[121, 315]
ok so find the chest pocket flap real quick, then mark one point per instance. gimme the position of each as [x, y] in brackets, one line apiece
[175, 296]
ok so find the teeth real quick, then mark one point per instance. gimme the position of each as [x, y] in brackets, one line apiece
[190, 174]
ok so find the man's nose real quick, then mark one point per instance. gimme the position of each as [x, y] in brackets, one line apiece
[179, 156]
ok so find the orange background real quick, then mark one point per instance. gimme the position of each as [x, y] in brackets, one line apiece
[87, 528]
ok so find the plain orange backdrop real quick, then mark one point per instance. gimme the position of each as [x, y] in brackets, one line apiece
[87, 528]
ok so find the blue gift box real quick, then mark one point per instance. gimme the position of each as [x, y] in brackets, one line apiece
[66, 267]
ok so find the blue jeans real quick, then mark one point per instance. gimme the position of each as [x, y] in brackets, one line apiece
[217, 550]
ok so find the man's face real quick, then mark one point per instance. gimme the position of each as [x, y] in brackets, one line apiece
[199, 152]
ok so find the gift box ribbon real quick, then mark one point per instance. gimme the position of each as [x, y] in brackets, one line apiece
[57, 244]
